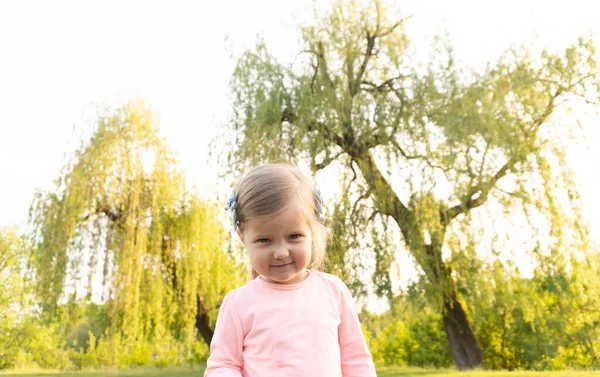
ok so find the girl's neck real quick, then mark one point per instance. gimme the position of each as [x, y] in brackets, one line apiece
[306, 275]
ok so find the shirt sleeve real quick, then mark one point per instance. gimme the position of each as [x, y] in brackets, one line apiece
[225, 358]
[356, 358]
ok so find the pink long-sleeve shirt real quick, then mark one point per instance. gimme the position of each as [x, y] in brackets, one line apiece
[309, 329]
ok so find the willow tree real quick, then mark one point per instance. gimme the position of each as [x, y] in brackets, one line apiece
[121, 211]
[13, 295]
[419, 146]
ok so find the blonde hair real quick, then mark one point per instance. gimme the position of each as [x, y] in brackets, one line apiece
[267, 189]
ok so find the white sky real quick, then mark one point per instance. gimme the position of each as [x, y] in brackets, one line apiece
[59, 59]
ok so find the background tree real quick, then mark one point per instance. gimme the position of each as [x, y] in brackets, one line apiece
[14, 293]
[548, 321]
[417, 147]
[122, 218]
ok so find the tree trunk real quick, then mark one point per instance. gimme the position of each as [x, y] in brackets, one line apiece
[465, 350]
[464, 347]
[203, 324]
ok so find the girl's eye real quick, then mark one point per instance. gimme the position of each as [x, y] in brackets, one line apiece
[295, 236]
[262, 240]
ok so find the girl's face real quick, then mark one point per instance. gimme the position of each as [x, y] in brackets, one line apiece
[279, 245]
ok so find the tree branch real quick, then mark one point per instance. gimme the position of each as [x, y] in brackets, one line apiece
[391, 29]
[385, 199]
[322, 63]
[302, 52]
[363, 66]
[470, 200]
[360, 199]
[403, 153]
[328, 160]
[478, 194]
[422, 157]
[105, 210]
[384, 87]
[312, 80]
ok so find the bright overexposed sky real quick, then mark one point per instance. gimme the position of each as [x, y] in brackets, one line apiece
[61, 59]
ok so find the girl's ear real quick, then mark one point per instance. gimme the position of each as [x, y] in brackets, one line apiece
[240, 234]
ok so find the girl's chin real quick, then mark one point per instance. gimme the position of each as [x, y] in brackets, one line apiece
[286, 277]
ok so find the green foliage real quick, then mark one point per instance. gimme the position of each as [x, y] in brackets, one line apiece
[428, 158]
[409, 334]
[550, 321]
[429, 346]
[418, 147]
[41, 345]
[199, 354]
[109, 353]
[351, 99]
[121, 210]
[38, 345]
[15, 295]
[392, 345]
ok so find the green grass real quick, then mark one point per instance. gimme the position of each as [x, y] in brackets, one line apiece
[417, 372]
[139, 372]
[381, 372]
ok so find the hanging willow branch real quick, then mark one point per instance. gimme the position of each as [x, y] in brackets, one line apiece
[122, 204]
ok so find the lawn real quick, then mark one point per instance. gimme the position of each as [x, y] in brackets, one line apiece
[381, 372]
[416, 372]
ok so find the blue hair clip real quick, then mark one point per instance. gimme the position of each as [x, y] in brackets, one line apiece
[232, 208]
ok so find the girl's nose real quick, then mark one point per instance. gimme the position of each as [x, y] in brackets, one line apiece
[280, 252]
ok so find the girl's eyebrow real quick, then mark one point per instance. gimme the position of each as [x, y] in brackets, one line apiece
[297, 231]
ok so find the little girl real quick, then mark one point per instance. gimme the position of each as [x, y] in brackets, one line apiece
[288, 321]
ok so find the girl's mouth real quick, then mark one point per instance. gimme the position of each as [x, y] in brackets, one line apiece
[282, 265]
